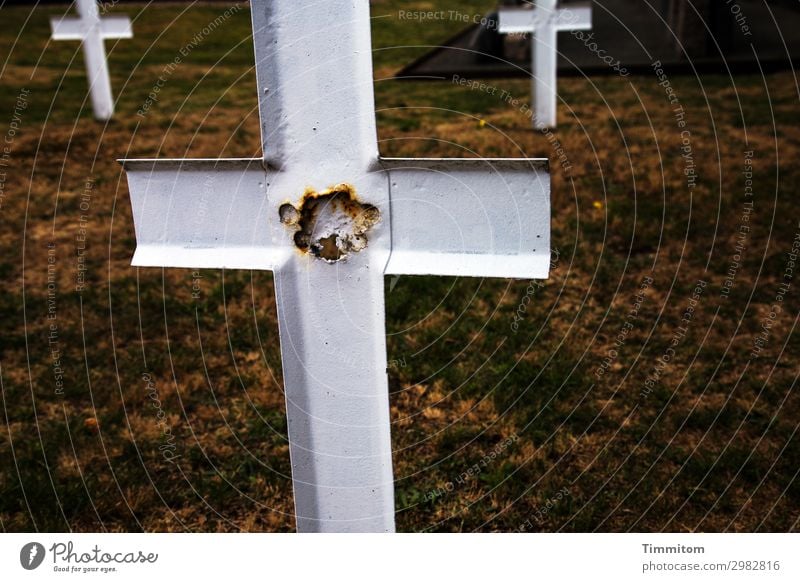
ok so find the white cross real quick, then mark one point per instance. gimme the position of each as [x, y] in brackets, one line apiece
[544, 22]
[92, 30]
[371, 216]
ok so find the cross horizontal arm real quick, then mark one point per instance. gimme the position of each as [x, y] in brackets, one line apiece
[460, 217]
[201, 214]
[67, 28]
[577, 16]
[515, 21]
[116, 27]
[479, 217]
[71, 28]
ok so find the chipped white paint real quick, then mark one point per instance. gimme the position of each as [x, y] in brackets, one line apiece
[544, 22]
[476, 217]
[91, 30]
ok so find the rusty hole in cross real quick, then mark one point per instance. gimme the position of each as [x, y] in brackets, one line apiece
[330, 224]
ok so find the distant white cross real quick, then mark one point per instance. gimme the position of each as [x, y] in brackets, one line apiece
[91, 30]
[544, 22]
[331, 218]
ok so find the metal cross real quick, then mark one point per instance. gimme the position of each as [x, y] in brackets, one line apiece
[331, 218]
[544, 22]
[91, 30]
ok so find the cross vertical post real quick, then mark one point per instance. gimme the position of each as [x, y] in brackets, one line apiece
[331, 217]
[544, 22]
[91, 30]
[318, 123]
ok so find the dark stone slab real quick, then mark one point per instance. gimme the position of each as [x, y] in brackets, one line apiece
[686, 36]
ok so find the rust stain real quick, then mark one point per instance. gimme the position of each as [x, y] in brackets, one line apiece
[330, 224]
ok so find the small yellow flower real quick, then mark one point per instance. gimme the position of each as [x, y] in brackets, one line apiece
[482, 123]
[597, 204]
[91, 425]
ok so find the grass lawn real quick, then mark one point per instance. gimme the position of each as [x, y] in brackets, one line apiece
[622, 397]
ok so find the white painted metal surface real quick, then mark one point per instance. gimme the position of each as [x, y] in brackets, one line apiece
[91, 30]
[544, 22]
[455, 217]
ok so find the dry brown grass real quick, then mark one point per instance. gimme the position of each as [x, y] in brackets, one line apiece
[713, 448]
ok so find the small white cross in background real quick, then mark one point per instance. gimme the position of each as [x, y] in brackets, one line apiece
[91, 30]
[331, 218]
[544, 22]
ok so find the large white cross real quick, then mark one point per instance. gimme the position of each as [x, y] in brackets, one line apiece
[91, 30]
[544, 22]
[331, 218]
